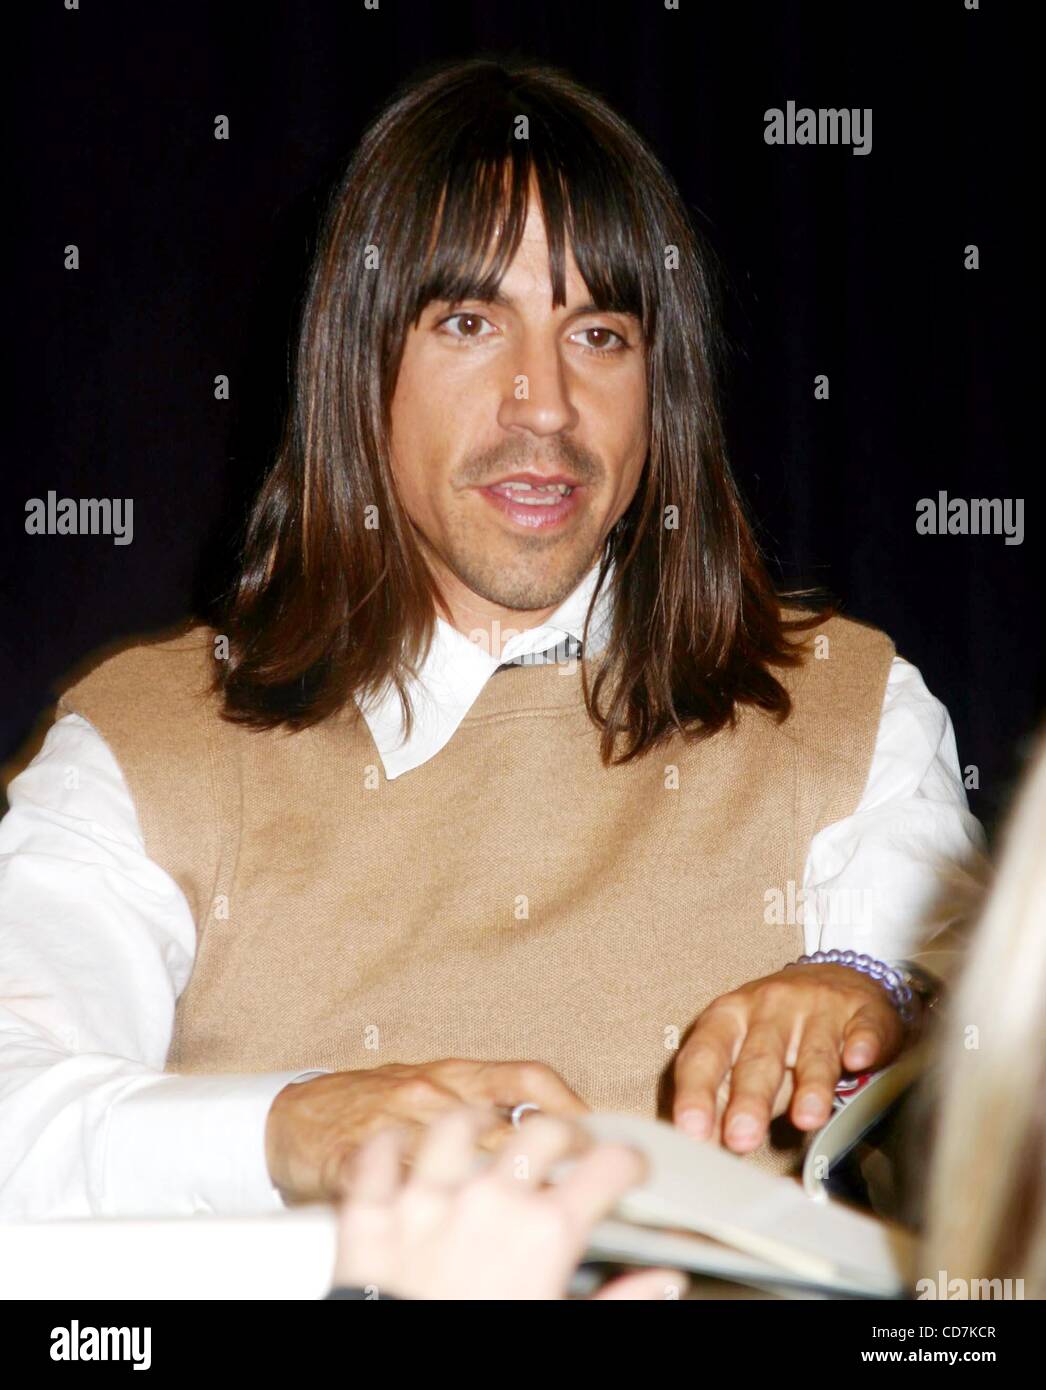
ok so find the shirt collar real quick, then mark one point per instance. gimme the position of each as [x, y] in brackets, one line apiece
[456, 669]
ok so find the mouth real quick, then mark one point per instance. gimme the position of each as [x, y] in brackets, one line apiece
[537, 508]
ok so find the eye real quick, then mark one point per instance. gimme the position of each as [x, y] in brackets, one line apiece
[470, 318]
[621, 344]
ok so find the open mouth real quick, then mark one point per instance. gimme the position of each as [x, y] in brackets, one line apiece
[544, 496]
[536, 508]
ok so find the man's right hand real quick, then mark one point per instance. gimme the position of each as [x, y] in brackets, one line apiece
[314, 1127]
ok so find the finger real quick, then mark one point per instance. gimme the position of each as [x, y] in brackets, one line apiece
[646, 1284]
[701, 1067]
[594, 1185]
[535, 1147]
[373, 1172]
[512, 1083]
[446, 1154]
[817, 1068]
[754, 1083]
[421, 1104]
[499, 1134]
[872, 1037]
[779, 1107]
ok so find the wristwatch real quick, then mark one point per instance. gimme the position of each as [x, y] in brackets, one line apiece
[922, 984]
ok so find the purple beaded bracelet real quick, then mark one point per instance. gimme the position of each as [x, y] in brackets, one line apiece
[899, 992]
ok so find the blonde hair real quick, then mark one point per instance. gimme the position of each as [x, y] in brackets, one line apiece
[985, 1214]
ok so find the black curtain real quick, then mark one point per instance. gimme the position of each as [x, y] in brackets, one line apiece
[193, 250]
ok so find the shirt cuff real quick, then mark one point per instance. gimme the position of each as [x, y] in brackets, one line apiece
[942, 955]
[181, 1144]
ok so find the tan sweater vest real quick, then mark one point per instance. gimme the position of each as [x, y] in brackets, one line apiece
[510, 899]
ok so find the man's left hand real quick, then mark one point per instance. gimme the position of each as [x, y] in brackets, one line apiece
[780, 1044]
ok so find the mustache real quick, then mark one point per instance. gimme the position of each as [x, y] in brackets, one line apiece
[516, 455]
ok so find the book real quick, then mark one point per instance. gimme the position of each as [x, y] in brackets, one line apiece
[707, 1210]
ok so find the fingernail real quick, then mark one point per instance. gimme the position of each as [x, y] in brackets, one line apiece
[695, 1123]
[810, 1108]
[744, 1127]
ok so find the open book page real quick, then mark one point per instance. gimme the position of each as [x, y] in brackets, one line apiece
[622, 1243]
[698, 1186]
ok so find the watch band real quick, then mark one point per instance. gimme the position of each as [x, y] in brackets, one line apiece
[921, 982]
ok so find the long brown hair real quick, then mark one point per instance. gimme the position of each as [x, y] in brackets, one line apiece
[327, 606]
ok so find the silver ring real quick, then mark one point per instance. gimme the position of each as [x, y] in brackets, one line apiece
[520, 1110]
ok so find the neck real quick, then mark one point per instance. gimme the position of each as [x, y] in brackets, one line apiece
[487, 623]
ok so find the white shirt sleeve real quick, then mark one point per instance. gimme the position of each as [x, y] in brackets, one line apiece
[901, 877]
[97, 943]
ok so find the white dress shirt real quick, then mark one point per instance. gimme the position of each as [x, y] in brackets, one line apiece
[97, 942]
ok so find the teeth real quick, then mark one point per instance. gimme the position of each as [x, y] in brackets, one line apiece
[562, 488]
[545, 496]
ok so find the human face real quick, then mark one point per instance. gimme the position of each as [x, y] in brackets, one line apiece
[487, 391]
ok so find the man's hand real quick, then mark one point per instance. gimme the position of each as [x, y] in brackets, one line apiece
[780, 1044]
[315, 1126]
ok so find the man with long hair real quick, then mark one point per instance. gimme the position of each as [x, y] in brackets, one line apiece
[503, 775]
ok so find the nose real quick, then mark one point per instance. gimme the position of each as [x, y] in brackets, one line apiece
[536, 396]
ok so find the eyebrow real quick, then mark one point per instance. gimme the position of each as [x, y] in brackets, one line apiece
[507, 302]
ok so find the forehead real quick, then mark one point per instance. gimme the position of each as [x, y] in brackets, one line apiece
[530, 268]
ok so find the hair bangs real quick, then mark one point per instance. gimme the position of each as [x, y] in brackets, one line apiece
[480, 213]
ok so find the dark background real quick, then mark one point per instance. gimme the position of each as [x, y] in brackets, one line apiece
[193, 253]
